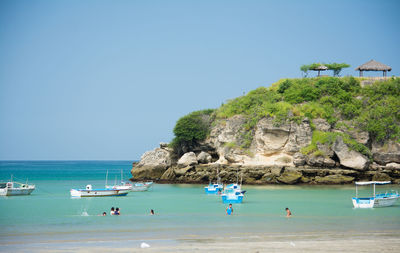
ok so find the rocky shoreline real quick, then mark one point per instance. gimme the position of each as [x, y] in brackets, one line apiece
[276, 156]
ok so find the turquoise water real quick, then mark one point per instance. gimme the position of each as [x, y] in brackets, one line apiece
[50, 215]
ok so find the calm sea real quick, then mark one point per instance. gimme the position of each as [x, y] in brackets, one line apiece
[50, 216]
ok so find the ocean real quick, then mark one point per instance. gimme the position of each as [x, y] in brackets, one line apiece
[49, 217]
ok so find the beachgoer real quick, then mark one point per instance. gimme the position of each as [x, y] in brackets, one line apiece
[288, 212]
[117, 211]
[229, 209]
[104, 214]
[151, 212]
[112, 211]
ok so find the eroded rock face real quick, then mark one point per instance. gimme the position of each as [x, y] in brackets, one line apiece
[269, 138]
[187, 159]
[349, 158]
[384, 153]
[334, 179]
[290, 177]
[152, 164]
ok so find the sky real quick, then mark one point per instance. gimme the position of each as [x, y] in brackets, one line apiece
[107, 80]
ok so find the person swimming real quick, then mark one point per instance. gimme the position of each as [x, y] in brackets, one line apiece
[229, 209]
[104, 214]
[112, 211]
[117, 211]
[151, 212]
[288, 212]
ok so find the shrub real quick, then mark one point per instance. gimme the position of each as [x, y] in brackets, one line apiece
[191, 129]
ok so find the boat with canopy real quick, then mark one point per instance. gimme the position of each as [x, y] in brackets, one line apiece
[377, 200]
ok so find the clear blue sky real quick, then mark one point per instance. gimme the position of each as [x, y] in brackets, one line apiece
[107, 80]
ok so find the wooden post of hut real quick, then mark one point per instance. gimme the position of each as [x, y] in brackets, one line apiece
[374, 66]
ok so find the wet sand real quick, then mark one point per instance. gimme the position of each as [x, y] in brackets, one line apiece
[305, 242]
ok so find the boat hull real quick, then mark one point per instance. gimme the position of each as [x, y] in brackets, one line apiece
[98, 193]
[16, 191]
[232, 199]
[374, 202]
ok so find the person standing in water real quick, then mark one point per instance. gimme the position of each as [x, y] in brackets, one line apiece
[288, 212]
[229, 209]
[117, 211]
[112, 211]
[151, 212]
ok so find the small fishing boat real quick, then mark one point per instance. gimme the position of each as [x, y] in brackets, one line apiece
[90, 192]
[141, 186]
[235, 187]
[215, 188]
[231, 196]
[134, 187]
[12, 188]
[377, 200]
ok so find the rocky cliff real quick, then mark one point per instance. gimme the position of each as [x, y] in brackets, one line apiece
[307, 149]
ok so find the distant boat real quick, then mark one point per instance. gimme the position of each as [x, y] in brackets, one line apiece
[12, 188]
[134, 187]
[377, 200]
[215, 188]
[90, 192]
[141, 186]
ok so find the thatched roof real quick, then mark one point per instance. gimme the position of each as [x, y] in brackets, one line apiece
[321, 67]
[374, 66]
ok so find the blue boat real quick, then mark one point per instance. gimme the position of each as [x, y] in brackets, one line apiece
[231, 196]
[235, 187]
[213, 188]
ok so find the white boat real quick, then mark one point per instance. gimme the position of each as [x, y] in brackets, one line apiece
[377, 200]
[134, 187]
[90, 192]
[12, 188]
[141, 186]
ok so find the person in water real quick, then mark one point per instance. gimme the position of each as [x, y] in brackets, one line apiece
[117, 211]
[151, 212]
[288, 212]
[229, 209]
[112, 211]
[104, 214]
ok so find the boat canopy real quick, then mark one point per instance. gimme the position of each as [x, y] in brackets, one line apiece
[372, 182]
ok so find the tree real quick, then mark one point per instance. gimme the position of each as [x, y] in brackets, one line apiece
[337, 67]
[305, 69]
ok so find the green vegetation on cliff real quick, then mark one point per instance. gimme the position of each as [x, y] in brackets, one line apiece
[374, 108]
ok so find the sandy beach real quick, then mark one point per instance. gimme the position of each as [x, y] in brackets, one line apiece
[305, 242]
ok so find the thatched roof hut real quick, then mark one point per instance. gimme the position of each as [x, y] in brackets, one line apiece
[373, 65]
[320, 68]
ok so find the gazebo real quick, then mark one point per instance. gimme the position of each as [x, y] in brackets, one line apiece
[374, 66]
[320, 68]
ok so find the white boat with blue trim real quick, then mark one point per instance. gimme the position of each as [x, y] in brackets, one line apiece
[232, 196]
[214, 188]
[90, 192]
[377, 200]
